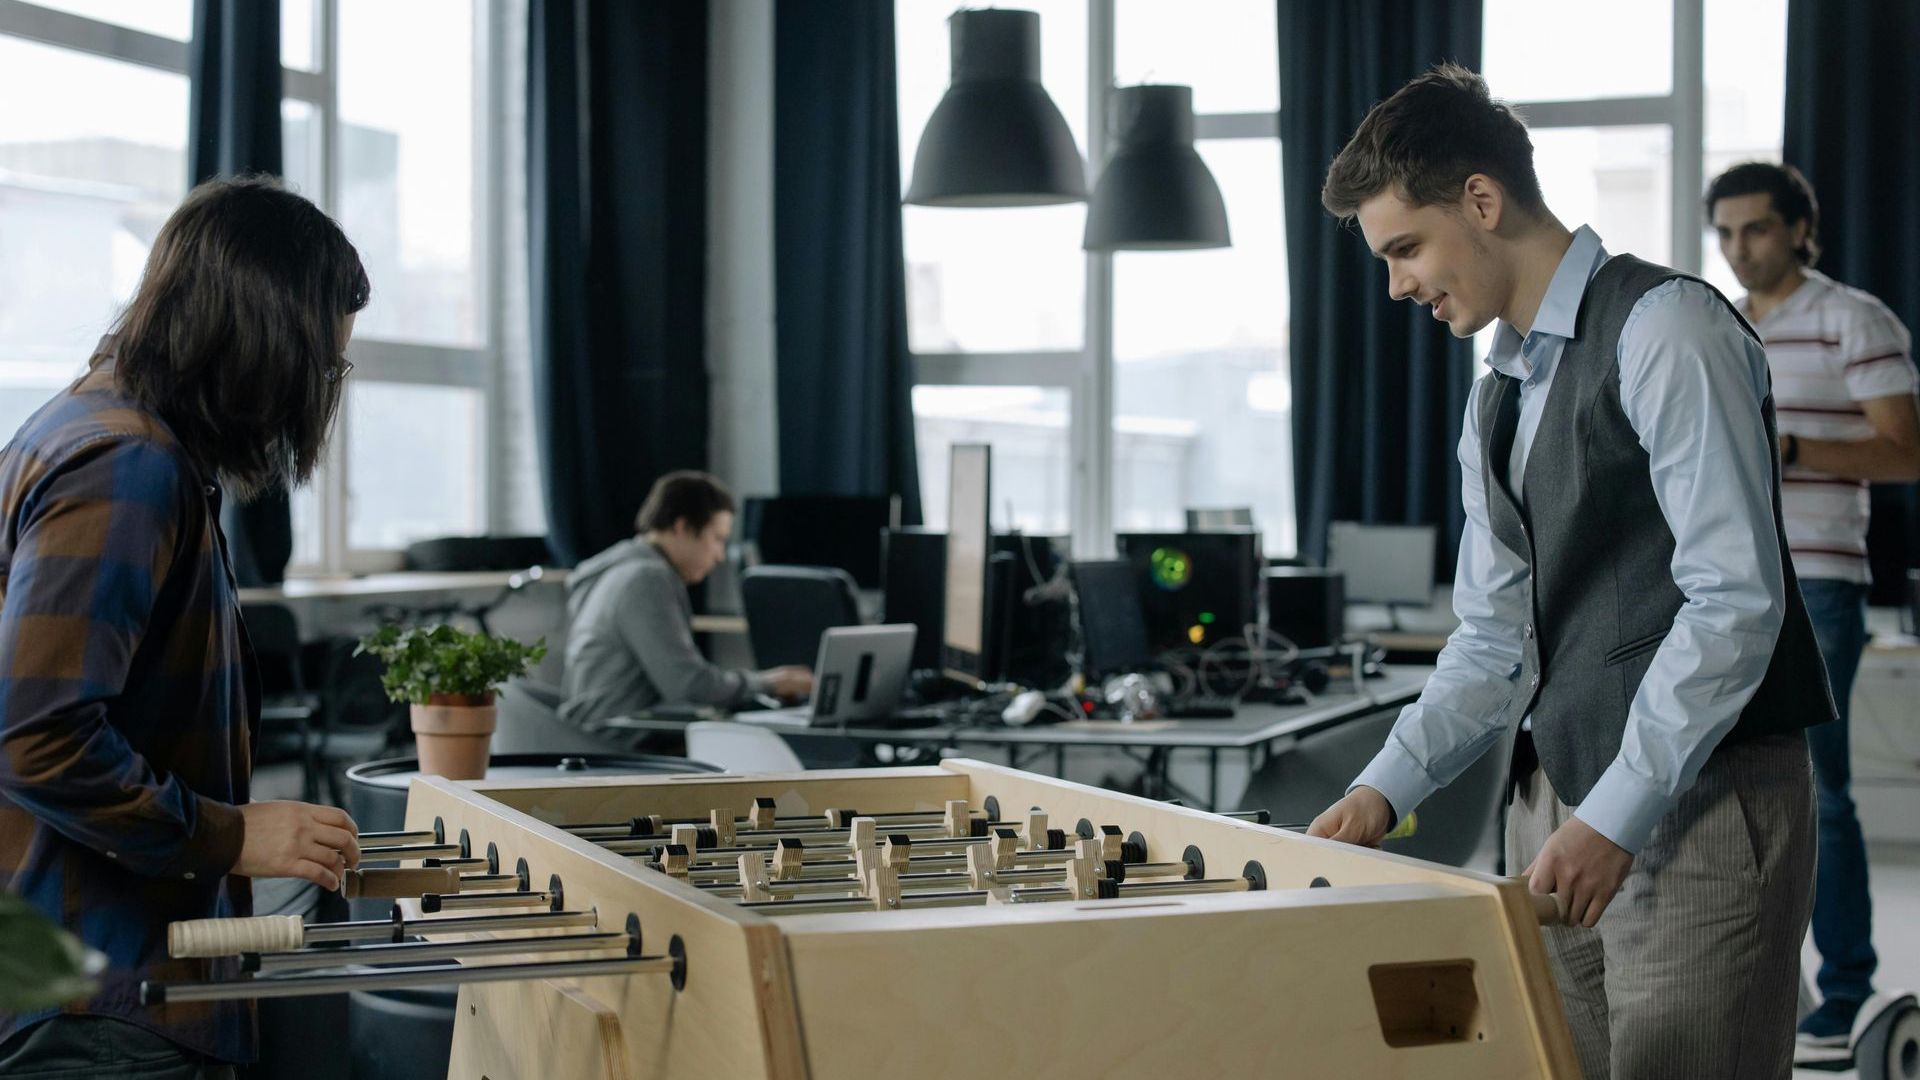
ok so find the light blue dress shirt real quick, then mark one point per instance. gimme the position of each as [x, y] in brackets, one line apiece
[1692, 385]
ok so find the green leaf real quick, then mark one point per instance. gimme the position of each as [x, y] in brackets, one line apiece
[426, 660]
[41, 964]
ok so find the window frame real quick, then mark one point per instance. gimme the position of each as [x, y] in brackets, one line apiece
[1088, 374]
[479, 367]
[388, 361]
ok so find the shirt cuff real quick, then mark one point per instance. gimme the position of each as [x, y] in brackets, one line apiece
[1623, 807]
[753, 683]
[1395, 774]
[213, 847]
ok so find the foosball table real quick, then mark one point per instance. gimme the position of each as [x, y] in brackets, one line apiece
[963, 920]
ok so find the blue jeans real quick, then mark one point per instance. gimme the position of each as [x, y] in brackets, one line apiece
[1842, 910]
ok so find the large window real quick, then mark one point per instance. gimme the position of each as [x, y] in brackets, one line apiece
[1647, 77]
[389, 124]
[387, 127]
[1117, 391]
[93, 157]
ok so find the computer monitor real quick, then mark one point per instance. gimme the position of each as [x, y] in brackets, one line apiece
[1034, 635]
[1196, 589]
[1383, 564]
[969, 541]
[841, 531]
[1113, 630]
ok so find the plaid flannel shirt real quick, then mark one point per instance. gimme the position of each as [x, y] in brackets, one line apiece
[128, 702]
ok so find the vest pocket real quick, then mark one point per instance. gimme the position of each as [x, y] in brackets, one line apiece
[1635, 648]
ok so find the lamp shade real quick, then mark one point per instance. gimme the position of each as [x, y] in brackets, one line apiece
[1155, 193]
[996, 138]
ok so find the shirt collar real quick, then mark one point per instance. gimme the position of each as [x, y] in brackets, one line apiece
[1802, 297]
[1559, 308]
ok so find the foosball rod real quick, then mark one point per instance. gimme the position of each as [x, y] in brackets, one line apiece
[673, 964]
[391, 952]
[286, 933]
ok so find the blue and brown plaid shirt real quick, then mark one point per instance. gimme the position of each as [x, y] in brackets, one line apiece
[128, 706]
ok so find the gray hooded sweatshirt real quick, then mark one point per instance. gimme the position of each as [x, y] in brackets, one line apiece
[630, 646]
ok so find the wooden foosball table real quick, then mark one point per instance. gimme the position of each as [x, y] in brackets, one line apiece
[963, 920]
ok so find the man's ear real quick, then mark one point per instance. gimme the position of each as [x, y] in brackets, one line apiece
[1483, 202]
[1797, 234]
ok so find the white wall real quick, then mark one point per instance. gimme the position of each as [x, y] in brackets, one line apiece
[743, 444]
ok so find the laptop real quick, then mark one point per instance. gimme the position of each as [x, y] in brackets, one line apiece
[860, 676]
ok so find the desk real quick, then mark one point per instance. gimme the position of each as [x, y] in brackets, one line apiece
[1259, 732]
[385, 586]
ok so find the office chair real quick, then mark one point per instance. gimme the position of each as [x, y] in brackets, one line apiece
[529, 723]
[1454, 822]
[287, 708]
[740, 748]
[789, 607]
[1214, 520]
[457, 554]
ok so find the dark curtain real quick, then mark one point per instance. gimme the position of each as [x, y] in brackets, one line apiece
[1379, 388]
[616, 163]
[844, 378]
[234, 129]
[1853, 106]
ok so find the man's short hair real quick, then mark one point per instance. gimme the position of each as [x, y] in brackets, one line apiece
[690, 496]
[1792, 196]
[1427, 139]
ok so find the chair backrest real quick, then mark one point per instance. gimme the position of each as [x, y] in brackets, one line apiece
[529, 723]
[740, 748]
[1213, 519]
[275, 635]
[456, 554]
[1453, 822]
[789, 607]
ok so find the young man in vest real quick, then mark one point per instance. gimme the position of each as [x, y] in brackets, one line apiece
[1625, 599]
[1844, 382]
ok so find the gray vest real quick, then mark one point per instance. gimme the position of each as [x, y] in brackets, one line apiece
[1601, 584]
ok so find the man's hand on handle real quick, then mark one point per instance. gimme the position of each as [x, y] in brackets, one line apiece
[1362, 817]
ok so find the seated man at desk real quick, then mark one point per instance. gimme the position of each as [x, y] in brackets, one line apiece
[631, 645]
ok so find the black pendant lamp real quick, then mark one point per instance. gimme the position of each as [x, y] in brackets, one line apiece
[1155, 193]
[996, 138]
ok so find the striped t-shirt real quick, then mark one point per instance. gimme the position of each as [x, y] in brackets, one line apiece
[1830, 347]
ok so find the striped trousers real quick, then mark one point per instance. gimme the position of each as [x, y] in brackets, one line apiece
[1693, 971]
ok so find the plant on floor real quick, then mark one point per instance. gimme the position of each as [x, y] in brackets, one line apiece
[446, 665]
[41, 964]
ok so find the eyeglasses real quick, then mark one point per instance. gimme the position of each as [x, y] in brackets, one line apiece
[340, 370]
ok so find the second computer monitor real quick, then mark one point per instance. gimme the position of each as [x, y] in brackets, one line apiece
[1198, 588]
[1383, 564]
[969, 541]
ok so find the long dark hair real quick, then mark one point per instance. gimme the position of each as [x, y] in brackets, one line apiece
[234, 336]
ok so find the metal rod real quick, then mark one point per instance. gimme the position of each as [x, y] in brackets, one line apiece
[465, 901]
[397, 978]
[396, 929]
[489, 881]
[417, 836]
[1184, 888]
[412, 951]
[389, 852]
[617, 828]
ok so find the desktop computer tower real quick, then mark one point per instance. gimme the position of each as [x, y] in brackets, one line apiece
[1307, 605]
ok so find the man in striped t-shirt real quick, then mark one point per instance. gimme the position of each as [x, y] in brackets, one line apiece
[1843, 384]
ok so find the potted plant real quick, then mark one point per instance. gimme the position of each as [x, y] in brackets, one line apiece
[41, 964]
[448, 677]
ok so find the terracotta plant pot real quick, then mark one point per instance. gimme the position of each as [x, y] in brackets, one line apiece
[453, 733]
